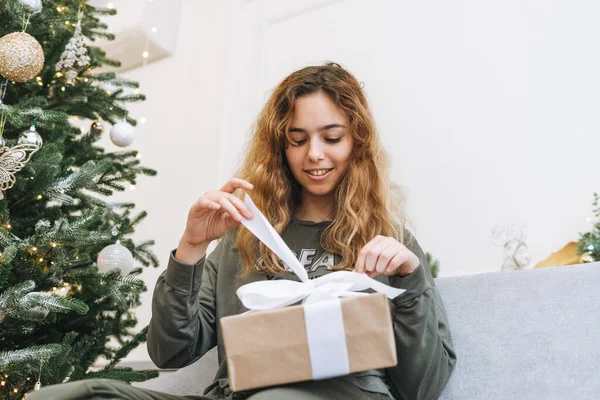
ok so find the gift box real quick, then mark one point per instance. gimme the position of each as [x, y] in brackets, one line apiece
[272, 347]
[279, 342]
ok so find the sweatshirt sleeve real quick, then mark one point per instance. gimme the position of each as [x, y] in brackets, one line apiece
[426, 355]
[183, 324]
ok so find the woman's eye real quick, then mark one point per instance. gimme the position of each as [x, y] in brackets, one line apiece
[333, 140]
[299, 142]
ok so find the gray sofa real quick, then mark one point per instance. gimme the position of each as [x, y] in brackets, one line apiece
[532, 334]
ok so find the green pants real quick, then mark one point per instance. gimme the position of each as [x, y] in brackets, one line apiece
[110, 389]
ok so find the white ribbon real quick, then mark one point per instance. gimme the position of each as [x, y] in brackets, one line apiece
[266, 295]
[322, 307]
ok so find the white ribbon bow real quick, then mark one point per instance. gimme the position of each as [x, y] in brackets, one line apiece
[266, 295]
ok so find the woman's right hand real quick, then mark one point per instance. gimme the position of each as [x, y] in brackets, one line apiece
[215, 213]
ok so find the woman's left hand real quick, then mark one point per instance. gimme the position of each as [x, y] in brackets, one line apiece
[385, 256]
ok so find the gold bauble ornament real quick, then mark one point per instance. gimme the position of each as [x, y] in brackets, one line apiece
[21, 57]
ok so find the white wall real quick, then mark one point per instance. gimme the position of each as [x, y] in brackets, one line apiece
[489, 110]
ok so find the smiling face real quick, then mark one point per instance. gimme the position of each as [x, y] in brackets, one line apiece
[321, 145]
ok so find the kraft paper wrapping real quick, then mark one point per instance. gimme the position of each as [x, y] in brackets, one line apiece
[267, 348]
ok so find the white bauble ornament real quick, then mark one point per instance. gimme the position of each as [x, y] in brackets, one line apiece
[122, 134]
[34, 5]
[31, 137]
[115, 256]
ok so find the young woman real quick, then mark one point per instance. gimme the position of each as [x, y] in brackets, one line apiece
[316, 169]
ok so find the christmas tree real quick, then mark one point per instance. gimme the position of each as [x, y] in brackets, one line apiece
[65, 250]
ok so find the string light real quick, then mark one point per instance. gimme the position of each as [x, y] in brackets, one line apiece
[39, 197]
[110, 6]
[143, 120]
[34, 248]
[132, 187]
[41, 259]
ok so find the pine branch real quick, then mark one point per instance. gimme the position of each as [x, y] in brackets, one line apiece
[28, 355]
[126, 348]
[123, 374]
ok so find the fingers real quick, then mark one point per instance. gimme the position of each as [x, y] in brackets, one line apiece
[224, 199]
[367, 257]
[204, 202]
[240, 206]
[236, 183]
[385, 256]
[233, 206]
[396, 262]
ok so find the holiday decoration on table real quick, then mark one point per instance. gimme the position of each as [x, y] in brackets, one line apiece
[58, 312]
[589, 243]
[512, 239]
[122, 134]
[115, 256]
[75, 57]
[586, 250]
[21, 57]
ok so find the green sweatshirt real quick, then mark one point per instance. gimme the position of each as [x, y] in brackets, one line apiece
[189, 300]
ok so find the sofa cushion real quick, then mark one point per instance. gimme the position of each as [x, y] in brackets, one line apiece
[532, 334]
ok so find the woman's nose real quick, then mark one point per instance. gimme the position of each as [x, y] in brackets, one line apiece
[315, 151]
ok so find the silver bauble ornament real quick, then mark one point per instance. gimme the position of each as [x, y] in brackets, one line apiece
[21, 57]
[31, 137]
[115, 256]
[34, 5]
[122, 134]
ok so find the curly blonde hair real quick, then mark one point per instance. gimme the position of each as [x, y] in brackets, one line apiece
[366, 204]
